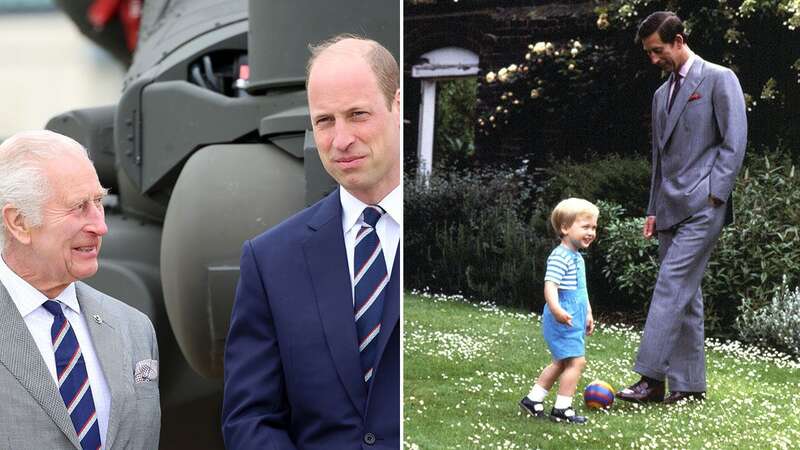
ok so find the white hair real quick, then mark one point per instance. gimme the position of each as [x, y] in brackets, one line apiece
[23, 182]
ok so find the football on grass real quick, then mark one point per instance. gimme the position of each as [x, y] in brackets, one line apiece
[599, 395]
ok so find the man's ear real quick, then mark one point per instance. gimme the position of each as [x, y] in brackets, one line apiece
[396, 106]
[678, 41]
[15, 224]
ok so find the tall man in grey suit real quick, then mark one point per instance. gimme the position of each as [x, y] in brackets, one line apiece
[78, 369]
[699, 138]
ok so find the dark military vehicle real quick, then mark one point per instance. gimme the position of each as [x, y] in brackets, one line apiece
[210, 144]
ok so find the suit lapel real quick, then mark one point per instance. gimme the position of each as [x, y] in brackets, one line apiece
[690, 85]
[657, 119]
[109, 346]
[326, 258]
[391, 310]
[19, 354]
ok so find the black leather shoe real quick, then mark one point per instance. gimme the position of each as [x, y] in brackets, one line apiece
[646, 390]
[535, 409]
[677, 396]
[566, 415]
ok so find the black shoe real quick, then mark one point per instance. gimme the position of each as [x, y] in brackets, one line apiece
[646, 390]
[678, 396]
[535, 409]
[566, 415]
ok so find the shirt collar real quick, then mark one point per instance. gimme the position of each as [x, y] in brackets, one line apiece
[27, 298]
[393, 205]
[684, 70]
[352, 208]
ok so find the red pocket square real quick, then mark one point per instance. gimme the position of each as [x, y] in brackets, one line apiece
[694, 97]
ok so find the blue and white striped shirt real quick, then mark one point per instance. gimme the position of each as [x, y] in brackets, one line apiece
[561, 268]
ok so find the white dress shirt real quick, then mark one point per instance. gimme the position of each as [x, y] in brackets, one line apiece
[388, 227]
[683, 71]
[29, 301]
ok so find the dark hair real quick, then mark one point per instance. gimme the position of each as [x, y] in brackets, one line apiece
[666, 23]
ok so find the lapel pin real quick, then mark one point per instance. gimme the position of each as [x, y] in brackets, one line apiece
[97, 318]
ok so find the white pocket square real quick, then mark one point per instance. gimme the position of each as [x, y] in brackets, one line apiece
[146, 371]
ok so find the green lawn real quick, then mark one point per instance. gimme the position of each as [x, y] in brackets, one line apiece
[467, 365]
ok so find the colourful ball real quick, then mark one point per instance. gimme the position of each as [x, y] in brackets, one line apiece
[599, 395]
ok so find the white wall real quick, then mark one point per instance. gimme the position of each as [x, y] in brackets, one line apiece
[48, 67]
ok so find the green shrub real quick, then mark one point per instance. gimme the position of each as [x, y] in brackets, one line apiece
[455, 198]
[749, 260]
[776, 324]
[498, 259]
[630, 260]
[624, 181]
[471, 233]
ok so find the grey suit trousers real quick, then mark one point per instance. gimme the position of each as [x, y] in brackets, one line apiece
[673, 337]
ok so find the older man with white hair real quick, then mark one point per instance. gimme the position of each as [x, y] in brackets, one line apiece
[78, 369]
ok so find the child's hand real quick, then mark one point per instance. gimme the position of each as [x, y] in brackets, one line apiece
[563, 316]
[589, 324]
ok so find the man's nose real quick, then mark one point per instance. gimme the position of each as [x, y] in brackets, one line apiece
[653, 59]
[343, 136]
[97, 221]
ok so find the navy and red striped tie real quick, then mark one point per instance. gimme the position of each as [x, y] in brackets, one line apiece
[73, 380]
[369, 278]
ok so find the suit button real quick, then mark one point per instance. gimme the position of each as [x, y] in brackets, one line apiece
[369, 438]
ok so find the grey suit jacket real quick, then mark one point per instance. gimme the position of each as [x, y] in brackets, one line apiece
[699, 146]
[32, 412]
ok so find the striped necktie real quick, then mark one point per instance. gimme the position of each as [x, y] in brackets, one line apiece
[73, 380]
[369, 278]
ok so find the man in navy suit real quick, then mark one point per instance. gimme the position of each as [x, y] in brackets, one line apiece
[313, 353]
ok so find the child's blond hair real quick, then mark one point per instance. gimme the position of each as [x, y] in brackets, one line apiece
[565, 213]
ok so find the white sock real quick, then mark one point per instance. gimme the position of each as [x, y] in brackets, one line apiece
[563, 402]
[537, 394]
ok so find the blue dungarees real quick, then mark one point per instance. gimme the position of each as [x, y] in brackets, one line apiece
[562, 340]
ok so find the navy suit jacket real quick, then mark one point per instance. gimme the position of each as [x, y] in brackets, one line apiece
[292, 369]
